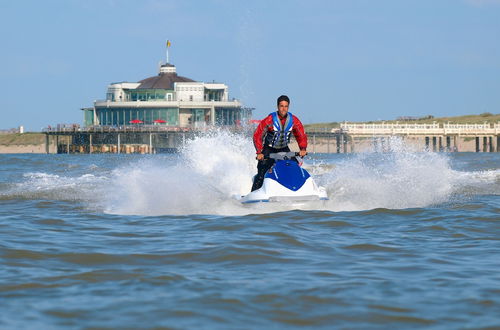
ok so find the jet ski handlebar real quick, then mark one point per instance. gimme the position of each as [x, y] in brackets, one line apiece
[283, 155]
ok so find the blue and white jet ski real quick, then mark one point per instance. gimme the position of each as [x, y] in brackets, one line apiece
[286, 181]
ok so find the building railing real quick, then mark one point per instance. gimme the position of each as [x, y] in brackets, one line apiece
[347, 128]
[417, 129]
[168, 103]
[135, 129]
[111, 129]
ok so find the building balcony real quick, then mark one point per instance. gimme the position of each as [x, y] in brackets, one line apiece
[167, 104]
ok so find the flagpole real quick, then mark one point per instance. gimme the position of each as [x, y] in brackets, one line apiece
[167, 52]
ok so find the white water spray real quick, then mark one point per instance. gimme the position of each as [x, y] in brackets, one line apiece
[394, 180]
[208, 177]
[214, 170]
[210, 174]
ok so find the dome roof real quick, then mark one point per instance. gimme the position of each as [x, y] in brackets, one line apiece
[162, 81]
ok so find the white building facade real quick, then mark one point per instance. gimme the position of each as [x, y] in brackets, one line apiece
[167, 99]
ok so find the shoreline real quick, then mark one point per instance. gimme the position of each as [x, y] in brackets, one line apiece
[316, 145]
[25, 143]
[23, 149]
[35, 143]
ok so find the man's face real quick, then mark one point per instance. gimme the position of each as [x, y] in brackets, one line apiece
[283, 108]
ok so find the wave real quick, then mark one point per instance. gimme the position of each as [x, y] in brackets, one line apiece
[41, 185]
[212, 171]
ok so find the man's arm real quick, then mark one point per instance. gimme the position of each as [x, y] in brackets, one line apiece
[258, 135]
[300, 135]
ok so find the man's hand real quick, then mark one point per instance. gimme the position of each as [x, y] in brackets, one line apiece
[260, 156]
[302, 153]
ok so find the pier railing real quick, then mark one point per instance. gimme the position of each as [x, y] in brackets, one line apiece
[125, 129]
[418, 129]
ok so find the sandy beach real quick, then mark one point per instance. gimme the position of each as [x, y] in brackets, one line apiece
[22, 149]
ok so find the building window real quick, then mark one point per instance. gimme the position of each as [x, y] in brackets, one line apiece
[190, 97]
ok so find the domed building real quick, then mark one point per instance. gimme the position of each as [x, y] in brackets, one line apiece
[166, 99]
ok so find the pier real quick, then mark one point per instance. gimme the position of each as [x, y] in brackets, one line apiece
[380, 137]
[126, 140]
[447, 137]
[350, 137]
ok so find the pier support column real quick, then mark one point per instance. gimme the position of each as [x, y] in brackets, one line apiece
[427, 143]
[440, 144]
[492, 143]
[498, 143]
[90, 143]
[448, 143]
[344, 143]
[485, 144]
[478, 149]
[47, 141]
[328, 143]
[434, 144]
[118, 144]
[337, 141]
[351, 143]
[68, 140]
[150, 143]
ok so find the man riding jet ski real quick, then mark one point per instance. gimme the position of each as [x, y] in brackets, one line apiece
[272, 136]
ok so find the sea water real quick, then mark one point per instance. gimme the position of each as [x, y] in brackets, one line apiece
[407, 239]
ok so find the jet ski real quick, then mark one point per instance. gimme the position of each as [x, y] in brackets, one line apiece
[286, 181]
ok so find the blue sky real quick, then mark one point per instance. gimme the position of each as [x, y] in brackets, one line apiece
[338, 60]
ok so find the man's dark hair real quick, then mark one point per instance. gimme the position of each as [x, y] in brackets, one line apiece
[283, 98]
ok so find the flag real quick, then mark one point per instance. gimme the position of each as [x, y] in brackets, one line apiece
[168, 43]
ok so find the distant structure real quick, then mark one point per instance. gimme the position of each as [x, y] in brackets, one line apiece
[413, 118]
[155, 115]
[166, 99]
[20, 130]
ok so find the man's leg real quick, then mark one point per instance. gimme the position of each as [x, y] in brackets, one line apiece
[262, 167]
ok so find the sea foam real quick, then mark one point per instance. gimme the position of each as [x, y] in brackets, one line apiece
[214, 170]
[211, 173]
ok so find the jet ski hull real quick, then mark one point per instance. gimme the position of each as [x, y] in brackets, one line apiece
[286, 182]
